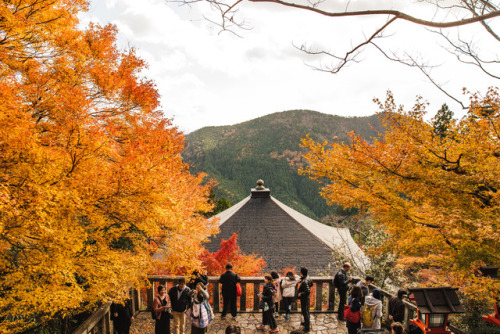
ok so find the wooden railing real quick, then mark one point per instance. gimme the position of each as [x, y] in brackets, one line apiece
[322, 301]
[322, 296]
[100, 321]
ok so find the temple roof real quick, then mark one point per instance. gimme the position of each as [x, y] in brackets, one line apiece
[282, 236]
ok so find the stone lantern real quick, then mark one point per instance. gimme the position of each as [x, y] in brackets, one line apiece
[493, 273]
[434, 305]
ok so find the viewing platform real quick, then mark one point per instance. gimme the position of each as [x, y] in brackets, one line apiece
[322, 307]
[322, 323]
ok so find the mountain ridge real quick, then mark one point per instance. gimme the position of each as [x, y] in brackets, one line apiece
[268, 148]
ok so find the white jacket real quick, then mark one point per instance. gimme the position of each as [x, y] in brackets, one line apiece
[376, 312]
[288, 286]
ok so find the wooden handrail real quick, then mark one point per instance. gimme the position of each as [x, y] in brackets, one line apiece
[99, 319]
[253, 284]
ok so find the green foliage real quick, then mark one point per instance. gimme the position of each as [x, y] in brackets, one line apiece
[268, 148]
[471, 321]
[219, 204]
[375, 243]
[442, 121]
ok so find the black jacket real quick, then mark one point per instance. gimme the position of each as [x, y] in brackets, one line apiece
[199, 278]
[355, 305]
[305, 287]
[268, 293]
[397, 309]
[228, 281]
[343, 280]
[181, 303]
[123, 320]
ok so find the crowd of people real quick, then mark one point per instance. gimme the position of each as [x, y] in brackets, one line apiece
[364, 311]
[361, 310]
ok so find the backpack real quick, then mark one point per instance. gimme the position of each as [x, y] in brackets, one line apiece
[366, 316]
[336, 280]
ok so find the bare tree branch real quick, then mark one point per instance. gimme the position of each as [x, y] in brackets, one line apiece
[351, 54]
[466, 12]
[395, 13]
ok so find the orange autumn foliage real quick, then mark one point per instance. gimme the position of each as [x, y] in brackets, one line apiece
[91, 180]
[436, 194]
[229, 252]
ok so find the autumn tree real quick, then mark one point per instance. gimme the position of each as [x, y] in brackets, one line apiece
[91, 178]
[436, 196]
[230, 252]
[381, 259]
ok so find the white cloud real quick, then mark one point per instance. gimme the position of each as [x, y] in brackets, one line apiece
[209, 78]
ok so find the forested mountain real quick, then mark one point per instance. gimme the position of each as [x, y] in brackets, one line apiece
[268, 148]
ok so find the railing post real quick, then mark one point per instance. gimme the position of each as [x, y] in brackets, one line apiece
[256, 290]
[136, 300]
[331, 296]
[111, 324]
[243, 298]
[294, 301]
[151, 295]
[107, 323]
[319, 296]
[132, 300]
[100, 326]
[409, 314]
[386, 311]
[139, 299]
[216, 296]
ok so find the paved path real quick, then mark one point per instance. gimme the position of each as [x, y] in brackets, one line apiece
[322, 323]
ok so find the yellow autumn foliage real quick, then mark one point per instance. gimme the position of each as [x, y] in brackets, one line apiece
[92, 183]
[438, 196]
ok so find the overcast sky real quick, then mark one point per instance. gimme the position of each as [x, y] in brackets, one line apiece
[207, 77]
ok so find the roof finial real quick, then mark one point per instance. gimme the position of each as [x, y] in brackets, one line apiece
[260, 191]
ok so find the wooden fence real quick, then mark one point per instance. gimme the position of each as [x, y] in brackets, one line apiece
[323, 293]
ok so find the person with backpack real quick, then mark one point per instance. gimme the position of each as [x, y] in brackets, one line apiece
[200, 312]
[288, 285]
[268, 305]
[341, 282]
[160, 312]
[304, 293]
[180, 298]
[229, 280]
[355, 307]
[371, 317]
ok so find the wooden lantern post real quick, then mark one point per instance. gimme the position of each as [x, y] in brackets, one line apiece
[434, 305]
[495, 317]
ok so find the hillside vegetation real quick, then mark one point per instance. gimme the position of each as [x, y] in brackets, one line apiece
[268, 148]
